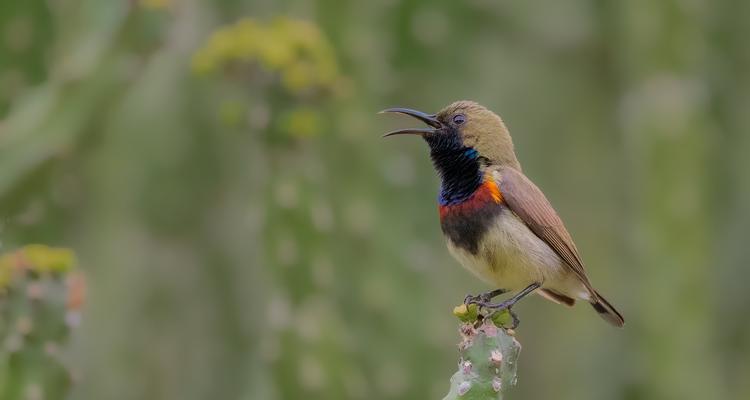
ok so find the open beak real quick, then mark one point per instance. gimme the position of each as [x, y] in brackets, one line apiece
[428, 119]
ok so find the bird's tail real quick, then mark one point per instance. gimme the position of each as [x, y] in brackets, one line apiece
[606, 310]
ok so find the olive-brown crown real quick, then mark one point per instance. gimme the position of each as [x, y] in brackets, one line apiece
[482, 130]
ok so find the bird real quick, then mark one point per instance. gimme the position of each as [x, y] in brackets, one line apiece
[496, 222]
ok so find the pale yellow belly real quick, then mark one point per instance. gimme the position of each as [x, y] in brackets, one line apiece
[510, 256]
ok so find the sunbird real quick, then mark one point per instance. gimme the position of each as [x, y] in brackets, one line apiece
[497, 223]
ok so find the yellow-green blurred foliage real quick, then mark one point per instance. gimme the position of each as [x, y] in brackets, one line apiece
[35, 259]
[293, 48]
[245, 232]
[298, 62]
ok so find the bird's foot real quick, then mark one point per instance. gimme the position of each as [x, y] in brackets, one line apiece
[501, 314]
[483, 298]
[499, 308]
[484, 301]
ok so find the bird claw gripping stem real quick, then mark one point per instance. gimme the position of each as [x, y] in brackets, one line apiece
[483, 298]
[497, 308]
[502, 316]
[483, 301]
[488, 356]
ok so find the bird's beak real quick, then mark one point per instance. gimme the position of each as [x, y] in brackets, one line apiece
[429, 119]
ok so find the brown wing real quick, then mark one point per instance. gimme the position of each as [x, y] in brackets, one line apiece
[529, 203]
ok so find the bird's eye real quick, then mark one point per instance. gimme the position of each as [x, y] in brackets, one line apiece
[459, 119]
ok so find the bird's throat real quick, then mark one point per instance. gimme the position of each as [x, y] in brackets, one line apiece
[468, 202]
[459, 170]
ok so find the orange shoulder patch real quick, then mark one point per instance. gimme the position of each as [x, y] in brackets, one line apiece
[494, 190]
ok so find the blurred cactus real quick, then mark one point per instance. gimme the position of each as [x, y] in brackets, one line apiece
[40, 301]
[489, 356]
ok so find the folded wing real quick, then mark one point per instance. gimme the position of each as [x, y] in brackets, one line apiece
[532, 207]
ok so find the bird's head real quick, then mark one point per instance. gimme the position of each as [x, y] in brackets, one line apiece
[464, 125]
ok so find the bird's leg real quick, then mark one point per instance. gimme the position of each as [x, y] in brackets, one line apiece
[483, 298]
[513, 300]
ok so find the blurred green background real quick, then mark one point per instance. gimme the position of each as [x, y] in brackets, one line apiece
[246, 234]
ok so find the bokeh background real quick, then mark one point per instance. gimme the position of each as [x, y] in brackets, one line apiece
[245, 233]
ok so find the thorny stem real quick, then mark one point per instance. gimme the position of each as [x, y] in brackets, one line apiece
[488, 356]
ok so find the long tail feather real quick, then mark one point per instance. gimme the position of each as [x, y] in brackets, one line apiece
[607, 311]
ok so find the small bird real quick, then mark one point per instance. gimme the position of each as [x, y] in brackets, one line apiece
[496, 222]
